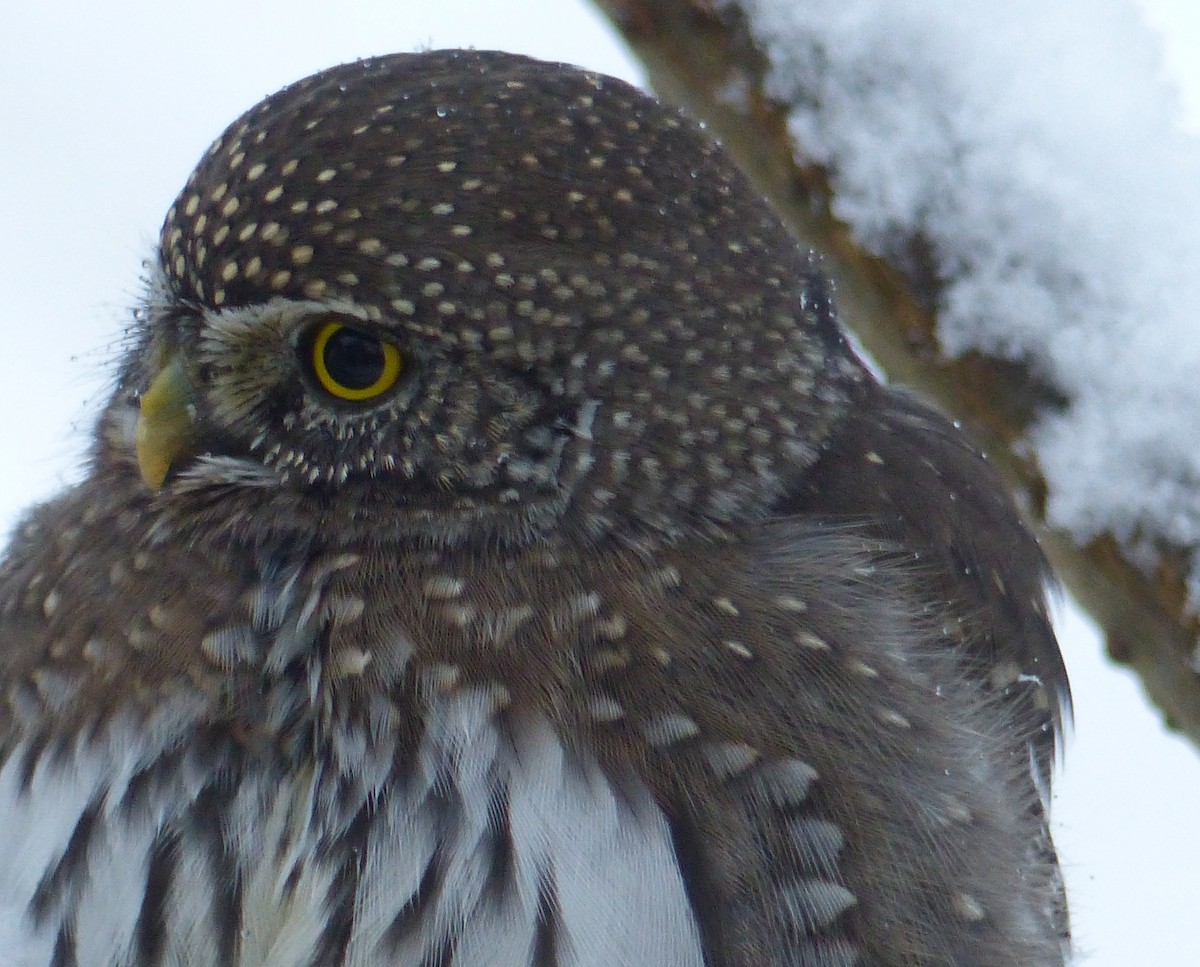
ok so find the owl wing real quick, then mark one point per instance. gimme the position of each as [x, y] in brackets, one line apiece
[910, 477]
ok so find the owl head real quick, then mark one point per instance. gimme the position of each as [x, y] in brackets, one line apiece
[469, 295]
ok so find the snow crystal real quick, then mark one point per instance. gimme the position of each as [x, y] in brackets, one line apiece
[1037, 152]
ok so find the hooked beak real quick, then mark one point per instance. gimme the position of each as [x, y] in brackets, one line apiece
[166, 426]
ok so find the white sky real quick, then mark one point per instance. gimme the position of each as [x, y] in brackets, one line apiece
[106, 106]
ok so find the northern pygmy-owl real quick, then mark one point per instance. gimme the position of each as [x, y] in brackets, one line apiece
[492, 554]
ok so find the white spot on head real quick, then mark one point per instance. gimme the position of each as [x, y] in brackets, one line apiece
[863, 669]
[789, 603]
[806, 639]
[969, 908]
[893, 718]
[739, 649]
[724, 604]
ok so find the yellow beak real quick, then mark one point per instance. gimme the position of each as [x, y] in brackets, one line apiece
[166, 428]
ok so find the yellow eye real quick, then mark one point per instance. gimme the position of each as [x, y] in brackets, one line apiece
[353, 365]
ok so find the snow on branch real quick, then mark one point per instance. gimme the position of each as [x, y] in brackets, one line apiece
[1012, 213]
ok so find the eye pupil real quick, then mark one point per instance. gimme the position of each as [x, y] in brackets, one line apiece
[354, 359]
[351, 364]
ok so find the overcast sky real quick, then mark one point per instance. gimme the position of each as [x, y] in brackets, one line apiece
[105, 107]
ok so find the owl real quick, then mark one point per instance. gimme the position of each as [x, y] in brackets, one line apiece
[492, 553]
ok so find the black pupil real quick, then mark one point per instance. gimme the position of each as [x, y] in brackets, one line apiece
[353, 359]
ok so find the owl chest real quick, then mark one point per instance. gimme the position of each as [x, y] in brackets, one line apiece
[339, 660]
[485, 844]
[338, 776]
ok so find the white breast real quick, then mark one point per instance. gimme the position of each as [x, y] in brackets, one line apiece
[588, 872]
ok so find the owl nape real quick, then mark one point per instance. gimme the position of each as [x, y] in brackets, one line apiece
[494, 554]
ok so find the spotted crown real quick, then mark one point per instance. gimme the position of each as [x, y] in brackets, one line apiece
[612, 252]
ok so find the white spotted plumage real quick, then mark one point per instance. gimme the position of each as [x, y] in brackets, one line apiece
[493, 553]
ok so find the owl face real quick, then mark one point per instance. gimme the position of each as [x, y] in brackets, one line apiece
[317, 397]
[473, 293]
